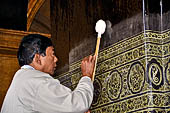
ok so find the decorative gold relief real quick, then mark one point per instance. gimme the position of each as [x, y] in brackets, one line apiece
[136, 77]
[132, 76]
[155, 74]
[167, 73]
[114, 85]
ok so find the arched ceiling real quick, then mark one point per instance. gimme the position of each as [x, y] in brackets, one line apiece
[38, 16]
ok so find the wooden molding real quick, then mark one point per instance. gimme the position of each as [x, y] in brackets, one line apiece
[10, 40]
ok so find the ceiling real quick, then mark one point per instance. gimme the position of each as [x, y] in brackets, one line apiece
[38, 16]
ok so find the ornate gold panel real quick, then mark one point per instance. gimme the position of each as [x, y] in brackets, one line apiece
[132, 75]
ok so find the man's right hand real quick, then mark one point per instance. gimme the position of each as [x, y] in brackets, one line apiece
[87, 66]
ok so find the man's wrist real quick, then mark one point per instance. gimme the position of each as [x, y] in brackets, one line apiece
[87, 76]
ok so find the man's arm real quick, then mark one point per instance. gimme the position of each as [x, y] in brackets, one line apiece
[54, 97]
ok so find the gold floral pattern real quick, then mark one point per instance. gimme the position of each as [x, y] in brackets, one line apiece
[132, 76]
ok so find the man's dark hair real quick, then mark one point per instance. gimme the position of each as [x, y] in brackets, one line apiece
[30, 45]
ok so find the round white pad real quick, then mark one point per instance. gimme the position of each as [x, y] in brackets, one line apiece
[100, 27]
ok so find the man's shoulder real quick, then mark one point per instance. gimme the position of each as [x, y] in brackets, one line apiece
[31, 74]
[30, 77]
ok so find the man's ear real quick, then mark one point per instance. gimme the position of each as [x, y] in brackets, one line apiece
[37, 59]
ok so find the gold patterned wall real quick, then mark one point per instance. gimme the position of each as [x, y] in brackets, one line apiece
[132, 75]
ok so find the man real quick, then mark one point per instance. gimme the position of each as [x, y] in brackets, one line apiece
[33, 90]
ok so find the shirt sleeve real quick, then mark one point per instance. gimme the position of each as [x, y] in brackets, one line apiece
[53, 97]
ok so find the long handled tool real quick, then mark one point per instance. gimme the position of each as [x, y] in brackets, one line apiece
[100, 29]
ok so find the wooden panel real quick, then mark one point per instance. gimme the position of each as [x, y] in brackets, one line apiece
[9, 43]
[8, 66]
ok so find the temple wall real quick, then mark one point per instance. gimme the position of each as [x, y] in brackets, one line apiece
[132, 72]
[129, 81]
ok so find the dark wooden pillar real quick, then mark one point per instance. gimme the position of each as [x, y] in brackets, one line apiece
[60, 32]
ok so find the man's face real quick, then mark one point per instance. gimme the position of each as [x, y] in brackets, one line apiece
[49, 61]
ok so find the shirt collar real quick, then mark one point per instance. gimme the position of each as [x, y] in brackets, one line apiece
[27, 67]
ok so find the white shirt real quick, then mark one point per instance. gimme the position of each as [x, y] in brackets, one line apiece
[32, 91]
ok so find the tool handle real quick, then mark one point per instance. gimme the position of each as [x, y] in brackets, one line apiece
[96, 54]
